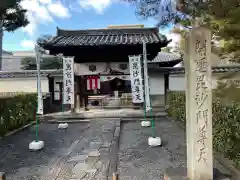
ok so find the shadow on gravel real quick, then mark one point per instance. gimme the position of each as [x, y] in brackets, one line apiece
[138, 161]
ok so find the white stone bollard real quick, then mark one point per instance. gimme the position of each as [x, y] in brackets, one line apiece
[154, 141]
[63, 126]
[36, 145]
[146, 123]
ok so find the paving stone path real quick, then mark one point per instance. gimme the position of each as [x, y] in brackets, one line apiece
[87, 151]
[68, 154]
[137, 161]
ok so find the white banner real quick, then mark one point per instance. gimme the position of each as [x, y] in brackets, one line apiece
[39, 89]
[136, 79]
[68, 80]
[146, 80]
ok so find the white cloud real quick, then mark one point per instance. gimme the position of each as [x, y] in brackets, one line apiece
[42, 12]
[57, 9]
[39, 11]
[45, 1]
[28, 44]
[32, 26]
[98, 5]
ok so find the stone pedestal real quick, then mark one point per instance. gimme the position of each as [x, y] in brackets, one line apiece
[181, 174]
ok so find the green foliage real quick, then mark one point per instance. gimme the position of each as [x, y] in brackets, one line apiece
[222, 16]
[16, 111]
[227, 91]
[176, 105]
[29, 63]
[225, 120]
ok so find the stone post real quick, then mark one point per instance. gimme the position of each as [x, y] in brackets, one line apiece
[198, 72]
[199, 105]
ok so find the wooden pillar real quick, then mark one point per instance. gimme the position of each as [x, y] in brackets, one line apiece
[166, 88]
[85, 93]
[77, 99]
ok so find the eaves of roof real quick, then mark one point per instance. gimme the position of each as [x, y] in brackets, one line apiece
[95, 37]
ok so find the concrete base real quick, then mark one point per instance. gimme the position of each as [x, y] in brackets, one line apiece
[36, 145]
[146, 123]
[181, 174]
[154, 141]
[63, 126]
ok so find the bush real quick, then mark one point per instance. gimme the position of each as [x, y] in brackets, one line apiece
[225, 120]
[16, 111]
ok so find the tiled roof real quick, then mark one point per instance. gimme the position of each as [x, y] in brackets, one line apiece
[107, 37]
[215, 69]
[165, 57]
[29, 73]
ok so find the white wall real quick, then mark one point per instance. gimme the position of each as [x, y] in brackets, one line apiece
[27, 84]
[156, 82]
[177, 82]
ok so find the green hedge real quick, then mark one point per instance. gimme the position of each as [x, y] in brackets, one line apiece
[226, 124]
[16, 111]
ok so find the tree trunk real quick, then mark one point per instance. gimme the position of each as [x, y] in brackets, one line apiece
[1, 42]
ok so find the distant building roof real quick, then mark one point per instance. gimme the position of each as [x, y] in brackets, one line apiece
[11, 63]
[12, 60]
[6, 53]
[23, 53]
[165, 57]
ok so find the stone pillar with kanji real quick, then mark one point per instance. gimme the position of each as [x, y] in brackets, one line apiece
[198, 72]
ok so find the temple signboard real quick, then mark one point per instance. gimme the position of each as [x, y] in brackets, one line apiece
[136, 79]
[68, 80]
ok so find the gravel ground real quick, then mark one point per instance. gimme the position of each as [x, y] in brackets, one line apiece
[137, 161]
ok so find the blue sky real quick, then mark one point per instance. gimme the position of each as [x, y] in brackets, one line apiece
[46, 15]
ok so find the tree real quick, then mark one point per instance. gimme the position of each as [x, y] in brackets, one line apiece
[222, 16]
[29, 63]
[12, 17]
